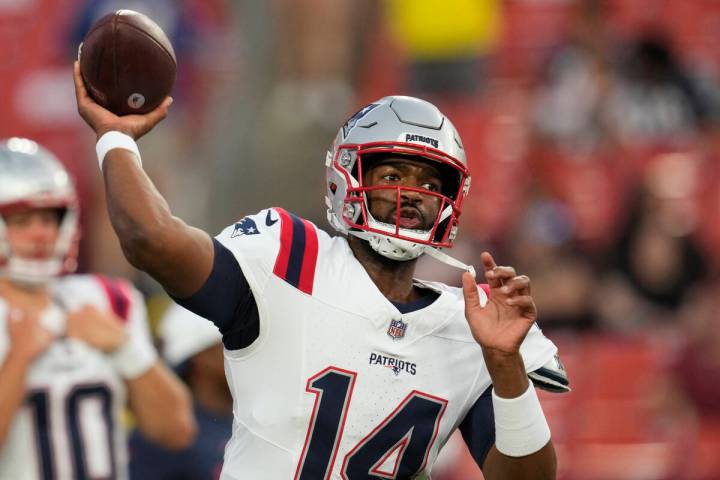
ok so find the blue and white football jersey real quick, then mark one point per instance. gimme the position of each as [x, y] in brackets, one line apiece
[339, 383]
[70, 425]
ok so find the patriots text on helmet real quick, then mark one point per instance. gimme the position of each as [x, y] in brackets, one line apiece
[409, 137]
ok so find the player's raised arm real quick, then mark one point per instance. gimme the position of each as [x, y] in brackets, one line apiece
[175, 254]
[523, 448]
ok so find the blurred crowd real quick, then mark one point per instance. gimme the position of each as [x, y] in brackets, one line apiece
[591, 127]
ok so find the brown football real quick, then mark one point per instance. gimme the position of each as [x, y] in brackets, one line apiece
[127, 63]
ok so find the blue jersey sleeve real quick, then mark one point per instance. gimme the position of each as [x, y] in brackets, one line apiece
[478, 427]
[226, 300]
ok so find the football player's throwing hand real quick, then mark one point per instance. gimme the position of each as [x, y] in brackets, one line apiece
[102, 120]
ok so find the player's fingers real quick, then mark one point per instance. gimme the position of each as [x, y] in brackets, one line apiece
[524, 302]
[519, 284]
[84, 102]
[160, 112]
[488, 261]
[497, 277]
[87, 310]
[470, 292]
[489, 265]
[504, 274]
[16, 315]
[19, 316]
[80, 91]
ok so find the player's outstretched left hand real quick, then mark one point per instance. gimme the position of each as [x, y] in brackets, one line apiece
[501, 325]
[102, 120]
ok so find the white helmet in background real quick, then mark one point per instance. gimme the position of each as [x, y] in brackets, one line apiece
[185, 334]
[403, 126]
[31, 177]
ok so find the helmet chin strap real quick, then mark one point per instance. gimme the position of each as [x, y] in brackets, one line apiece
[31, 273]
[441, 256]
[389, 247]
[413, 252]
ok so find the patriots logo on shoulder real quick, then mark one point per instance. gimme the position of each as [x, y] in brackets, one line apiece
[356, 118]
[245, 226]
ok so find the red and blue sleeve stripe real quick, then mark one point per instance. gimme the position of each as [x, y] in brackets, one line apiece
[298, 253]
[118, 294]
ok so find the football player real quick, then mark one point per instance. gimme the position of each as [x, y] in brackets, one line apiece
[341, 364]
[74, 349]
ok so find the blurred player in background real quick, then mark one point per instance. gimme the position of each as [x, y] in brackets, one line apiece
[341, 364]
[74, 350]
[193, 347]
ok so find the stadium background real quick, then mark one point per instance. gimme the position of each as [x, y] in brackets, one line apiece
[591, 129]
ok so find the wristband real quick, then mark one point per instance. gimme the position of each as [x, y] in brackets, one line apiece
[131, 361]
[520, 425]
[114, 139]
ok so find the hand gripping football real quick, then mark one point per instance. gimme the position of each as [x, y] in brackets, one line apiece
[127, 63]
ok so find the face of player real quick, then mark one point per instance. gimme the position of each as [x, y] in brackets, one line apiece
[418, 211]
[32, 233]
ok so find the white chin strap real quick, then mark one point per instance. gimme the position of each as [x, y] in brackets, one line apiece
[390, 247]
[437, 254]
[404, 250]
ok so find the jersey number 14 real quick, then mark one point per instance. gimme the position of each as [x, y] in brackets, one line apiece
[408, 432]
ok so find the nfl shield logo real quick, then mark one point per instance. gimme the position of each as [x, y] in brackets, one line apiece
[397, 329]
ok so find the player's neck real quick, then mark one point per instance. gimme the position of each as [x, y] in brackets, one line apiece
[393, 278]
[34, 298]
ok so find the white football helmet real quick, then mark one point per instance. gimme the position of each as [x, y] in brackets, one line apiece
[31, 176]
[403, 126]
